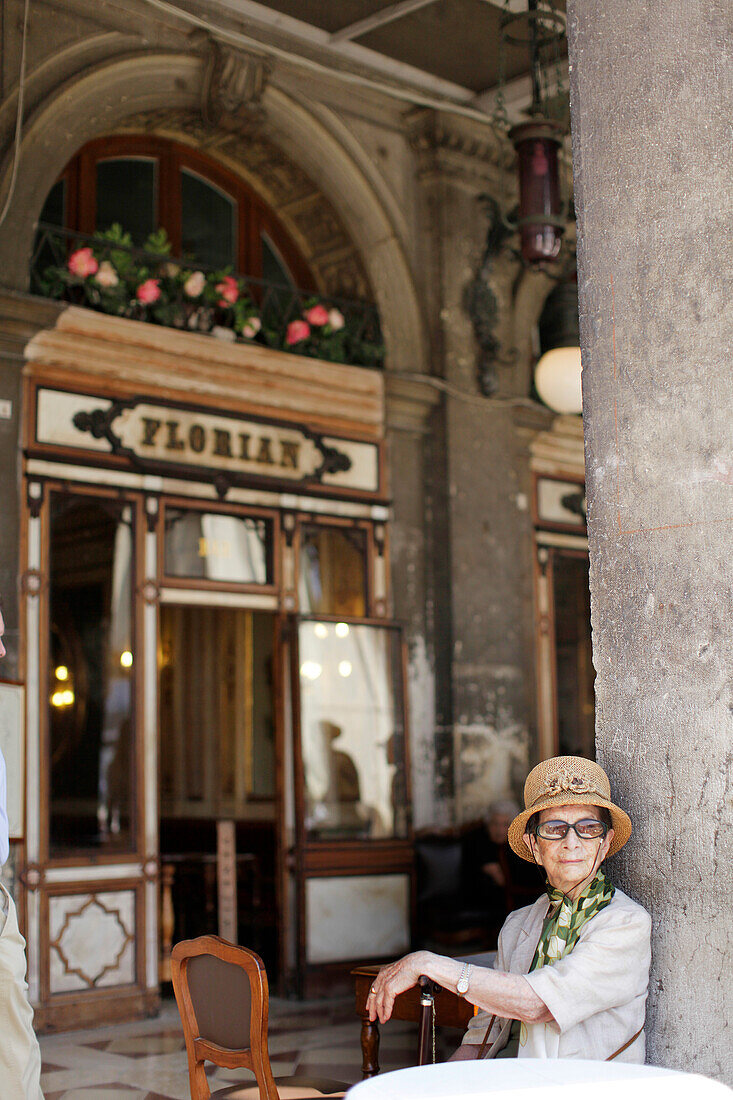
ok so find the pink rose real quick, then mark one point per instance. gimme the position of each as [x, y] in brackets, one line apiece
[148, 292]
[316, 315]
[335, 319]
[252, 327]
[297, 331]
[229, 291]
[82, 263]
[106, 275]
[194, 284]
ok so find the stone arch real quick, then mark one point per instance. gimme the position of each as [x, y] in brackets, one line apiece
[165, 89]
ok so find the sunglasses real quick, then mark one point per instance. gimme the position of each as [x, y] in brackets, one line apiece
[588, 829]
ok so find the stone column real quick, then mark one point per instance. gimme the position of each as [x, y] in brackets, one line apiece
[652, 99]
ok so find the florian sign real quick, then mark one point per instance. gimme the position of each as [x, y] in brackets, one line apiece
[228, 449]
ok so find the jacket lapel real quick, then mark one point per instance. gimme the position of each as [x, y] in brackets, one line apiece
[521, 960]
[529, 937]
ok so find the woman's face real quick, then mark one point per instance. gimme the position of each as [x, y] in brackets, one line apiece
[570, 862]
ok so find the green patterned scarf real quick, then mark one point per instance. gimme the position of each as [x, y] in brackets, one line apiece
[565, 920]
[563, 925]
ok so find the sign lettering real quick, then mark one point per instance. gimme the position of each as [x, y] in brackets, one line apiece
[227, 448]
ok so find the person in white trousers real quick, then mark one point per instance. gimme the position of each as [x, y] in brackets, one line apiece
[20, 1056]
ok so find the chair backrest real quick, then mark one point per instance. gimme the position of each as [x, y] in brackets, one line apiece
[222, 996]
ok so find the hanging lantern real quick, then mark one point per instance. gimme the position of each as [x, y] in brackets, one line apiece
[540, 224]
[558, 372]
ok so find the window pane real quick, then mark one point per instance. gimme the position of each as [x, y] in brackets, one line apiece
[92, 648]
[333, 571]
[217, 547]
[55, 204]
[126, 193]
[352, 734]
[575, 673]
[209, 225]
[274, 268]
[51, 252]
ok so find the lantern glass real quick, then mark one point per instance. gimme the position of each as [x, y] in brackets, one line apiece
[540, 225]
[558, 380]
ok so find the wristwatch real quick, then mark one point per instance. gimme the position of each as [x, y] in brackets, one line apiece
[462, 983]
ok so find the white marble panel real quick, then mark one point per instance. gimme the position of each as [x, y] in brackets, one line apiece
[92, 940]
[357, 916]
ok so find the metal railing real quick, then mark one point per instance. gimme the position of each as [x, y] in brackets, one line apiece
[357, 342]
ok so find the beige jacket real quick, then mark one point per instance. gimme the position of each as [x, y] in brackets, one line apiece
[596, 994]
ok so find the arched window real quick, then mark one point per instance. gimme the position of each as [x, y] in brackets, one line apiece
[210, 215]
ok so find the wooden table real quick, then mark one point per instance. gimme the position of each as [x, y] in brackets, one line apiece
[450, 1011]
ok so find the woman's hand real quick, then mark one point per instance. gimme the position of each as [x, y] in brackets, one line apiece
[391, 981]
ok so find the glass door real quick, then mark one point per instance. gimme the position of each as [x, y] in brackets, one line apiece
[218, 820]
[92, 887]
[352, 857]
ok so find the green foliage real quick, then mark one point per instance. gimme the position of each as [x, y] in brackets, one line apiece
[109, 274]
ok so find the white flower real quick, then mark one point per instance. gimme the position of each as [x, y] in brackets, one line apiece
[106, 275]
[223, 333]
[335, 319]
[194, 284]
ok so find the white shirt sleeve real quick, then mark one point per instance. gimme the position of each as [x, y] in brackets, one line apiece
[4, 831]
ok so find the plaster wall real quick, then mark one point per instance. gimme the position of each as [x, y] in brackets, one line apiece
[651, 151]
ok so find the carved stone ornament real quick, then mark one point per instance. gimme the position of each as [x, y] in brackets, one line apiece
[234, 84]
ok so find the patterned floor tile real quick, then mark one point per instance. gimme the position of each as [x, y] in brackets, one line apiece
[146, 1060]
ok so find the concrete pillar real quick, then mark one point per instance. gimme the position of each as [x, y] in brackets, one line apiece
[652, 99]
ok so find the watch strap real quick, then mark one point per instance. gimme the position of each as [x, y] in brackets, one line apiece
[462, 983]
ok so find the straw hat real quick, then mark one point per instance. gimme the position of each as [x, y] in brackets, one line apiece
[567, 781]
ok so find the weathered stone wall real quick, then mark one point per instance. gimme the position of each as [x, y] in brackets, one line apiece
[651, 154]
[482, 553]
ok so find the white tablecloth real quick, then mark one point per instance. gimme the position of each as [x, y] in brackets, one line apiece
[530, 1078]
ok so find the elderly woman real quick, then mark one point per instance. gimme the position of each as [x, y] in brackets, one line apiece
[572, 970]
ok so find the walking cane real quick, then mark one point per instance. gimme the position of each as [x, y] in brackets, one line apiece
[426, 1035]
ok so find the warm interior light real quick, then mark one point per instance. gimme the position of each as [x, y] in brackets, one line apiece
[62, 698]
[126, 659]
[310, 670]
[342, 630]
[344, 668]
[62, 672]
[320, 630]
[557, 378]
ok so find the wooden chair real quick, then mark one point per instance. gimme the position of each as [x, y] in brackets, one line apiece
[222, 996]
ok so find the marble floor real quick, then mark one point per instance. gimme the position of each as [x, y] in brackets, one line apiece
[146, 1060]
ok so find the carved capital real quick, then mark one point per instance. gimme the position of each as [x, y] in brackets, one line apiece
[234, 84]
[458, 146]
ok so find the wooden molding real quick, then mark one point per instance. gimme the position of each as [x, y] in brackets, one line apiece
[134, 357]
